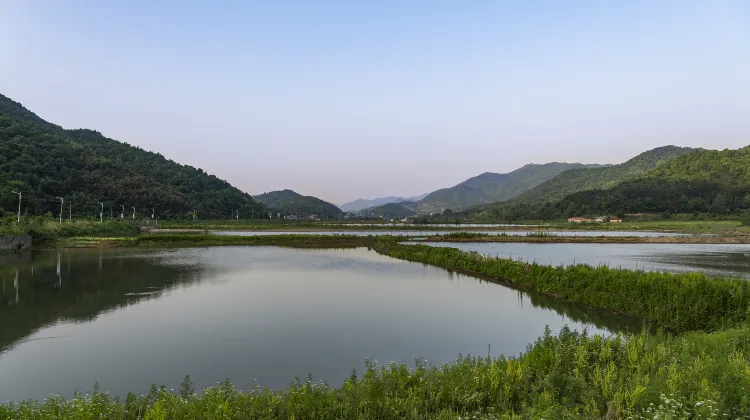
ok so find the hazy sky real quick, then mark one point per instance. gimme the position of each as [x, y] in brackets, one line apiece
[347, 99]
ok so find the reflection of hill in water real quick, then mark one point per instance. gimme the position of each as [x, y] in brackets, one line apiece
[39, 289]
[87, 283]
[577, 313]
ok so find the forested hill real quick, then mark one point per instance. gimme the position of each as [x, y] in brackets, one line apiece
[703, 182]
[492, 187]
[605, 177]
[44, 161]
[290, 202]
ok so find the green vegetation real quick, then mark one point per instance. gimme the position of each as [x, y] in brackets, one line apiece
[43, 161]
[43, 229]
[393, 210]
[702, 182]
[491, 187]
[679, 302]
[605, 177]
[702, 372]
[301, 206]
[484, 188]
[697, 375]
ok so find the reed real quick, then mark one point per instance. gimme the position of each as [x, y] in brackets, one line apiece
[571, 375]
[679, 302]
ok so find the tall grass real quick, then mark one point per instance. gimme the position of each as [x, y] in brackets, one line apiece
[703, 372]
[45, 229]
[679, 302]
[571, 375]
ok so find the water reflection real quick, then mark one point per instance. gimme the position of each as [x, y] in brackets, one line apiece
[127, 319]
[77, 290]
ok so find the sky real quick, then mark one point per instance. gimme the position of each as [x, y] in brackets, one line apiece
[349, 99]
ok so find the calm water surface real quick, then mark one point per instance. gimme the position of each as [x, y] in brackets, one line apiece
[727, 260]
[255, 315]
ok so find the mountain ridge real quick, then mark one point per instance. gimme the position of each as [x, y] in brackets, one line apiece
[489, 187]
[291, 202]
[580, 179]
[45, 161]
[362, 203]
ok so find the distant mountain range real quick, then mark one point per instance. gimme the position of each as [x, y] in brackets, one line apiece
[290, 202]
[532, 184]
[581, 179]
[493, 187]
[361, 204]
[484, 188]
[680, 180]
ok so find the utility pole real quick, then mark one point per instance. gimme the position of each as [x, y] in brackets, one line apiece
[238, 215]
[70, 211]
[133, 213]
[153, 211]
[101, 213]
[62, 201]
[122, 213]
[19, 205]
[195, 216]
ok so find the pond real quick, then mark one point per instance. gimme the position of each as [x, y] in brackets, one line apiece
[726, 260]
[255, 315]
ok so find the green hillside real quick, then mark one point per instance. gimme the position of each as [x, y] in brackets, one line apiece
[581, 179]
[491, 187]
[288, 201]
[702, 182]
[392, 210]
[45, 161]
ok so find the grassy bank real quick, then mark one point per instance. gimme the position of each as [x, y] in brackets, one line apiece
[697, 375]
[45, 229]
[680, 302]
[726, 227]
[544, 237]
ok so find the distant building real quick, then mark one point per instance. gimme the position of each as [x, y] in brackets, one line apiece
[578, 220]
[615, 220]
[599, 219]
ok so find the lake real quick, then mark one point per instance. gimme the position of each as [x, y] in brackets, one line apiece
[255, 315]
[729, 260]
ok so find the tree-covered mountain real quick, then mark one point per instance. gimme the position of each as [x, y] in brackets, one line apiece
[45, 161]
[604, 177]
[392, 210]
[703, 182]
[361, 203]
[492, 187]
[290, 202]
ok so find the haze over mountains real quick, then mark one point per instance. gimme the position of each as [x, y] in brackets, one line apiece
[45, 161]
[533, 183]
[361, 203]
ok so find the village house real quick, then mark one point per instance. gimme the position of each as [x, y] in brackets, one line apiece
[578, 220]
[615, 220]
